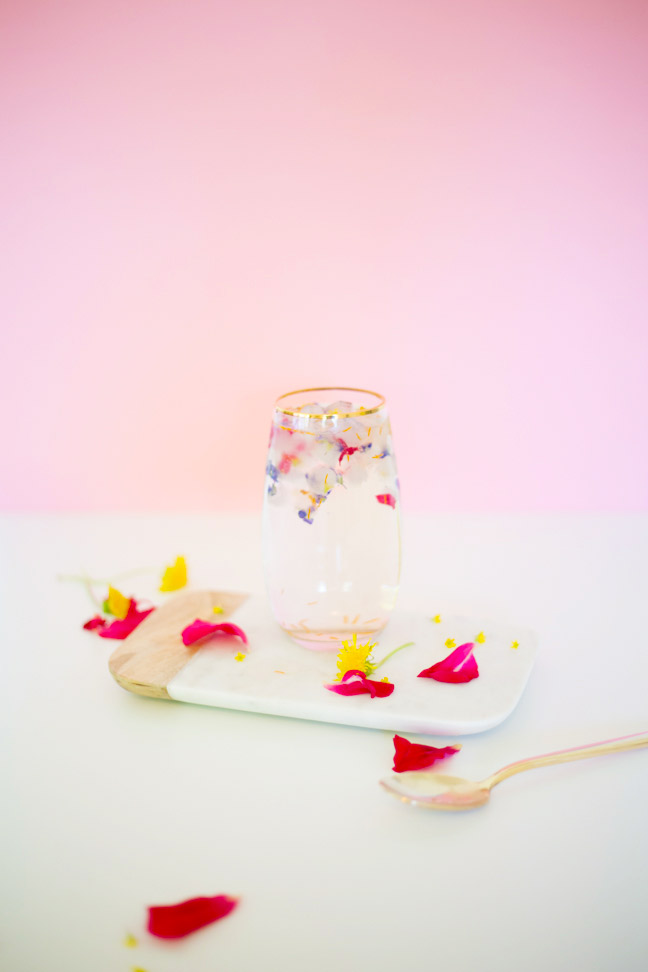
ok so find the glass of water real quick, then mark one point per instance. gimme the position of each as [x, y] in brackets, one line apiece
[331, 515]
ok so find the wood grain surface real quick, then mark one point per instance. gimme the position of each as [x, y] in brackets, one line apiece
[153, 654]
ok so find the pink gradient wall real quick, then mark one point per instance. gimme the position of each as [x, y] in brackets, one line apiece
[206, 204]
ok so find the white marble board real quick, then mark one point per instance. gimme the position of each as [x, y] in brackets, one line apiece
[279, 677]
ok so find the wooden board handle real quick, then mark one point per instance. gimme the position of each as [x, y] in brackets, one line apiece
[149, 658]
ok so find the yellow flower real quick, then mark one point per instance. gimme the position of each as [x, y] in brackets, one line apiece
[451, 643]
[130, 941]
[437, 619]
[175, 576]
[516, 644]
[353, 656]
[481, 638]
[118, 605]
[219, 609]
[239, 657]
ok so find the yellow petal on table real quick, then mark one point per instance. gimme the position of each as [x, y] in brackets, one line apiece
[175, 577]
[516, 644]
[219, 609]
[451, 643]
[437, 619]
[130, 941]
[239, 657]
[118, 605]
[481, 638]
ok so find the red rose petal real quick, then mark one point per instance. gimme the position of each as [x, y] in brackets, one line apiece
[96, 622]
[361, 686]
[413, 756]
[176, 921]
[388, 499]
[347, 451]
[198, 630]
[122, 627]
[458, 666]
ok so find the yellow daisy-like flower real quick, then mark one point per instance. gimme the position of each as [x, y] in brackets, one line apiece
[354, 656]
[239, 657]
[451, 643]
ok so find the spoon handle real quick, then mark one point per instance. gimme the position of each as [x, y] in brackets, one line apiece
[634, 741]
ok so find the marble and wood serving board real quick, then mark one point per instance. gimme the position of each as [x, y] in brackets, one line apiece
[279, 677]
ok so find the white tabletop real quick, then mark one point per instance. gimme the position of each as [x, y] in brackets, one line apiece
[112, 802]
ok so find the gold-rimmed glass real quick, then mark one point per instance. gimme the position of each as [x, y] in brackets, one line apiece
[331, 515]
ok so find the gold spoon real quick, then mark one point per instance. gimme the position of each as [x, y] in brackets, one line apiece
[439, 792]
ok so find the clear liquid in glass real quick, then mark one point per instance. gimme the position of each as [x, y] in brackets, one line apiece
[331, 524]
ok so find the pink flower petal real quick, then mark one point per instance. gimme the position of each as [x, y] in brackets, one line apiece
[414, 756]
[361, 685]
[198, 630]
[176, 921]
[347, 451]
[96, 622]
[388, 499]
[122, 627]
[458, 666]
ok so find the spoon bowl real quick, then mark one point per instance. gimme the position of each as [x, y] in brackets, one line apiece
[436, 791]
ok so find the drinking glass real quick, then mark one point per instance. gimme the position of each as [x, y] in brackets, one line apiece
[331, 515]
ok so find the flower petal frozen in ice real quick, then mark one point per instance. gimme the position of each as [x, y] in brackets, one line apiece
[458, 666]
[414, 756]
[347, 452]
[354, 470]
[176, 921]
[198, 630]
[321, 479]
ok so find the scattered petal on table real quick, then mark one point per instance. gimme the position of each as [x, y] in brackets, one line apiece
[450, 643]
[96, 622]
[176, 921]
[481, 638]
[198, 630]
[361, 685]
[122, 627]
[387, 499]
[240, 656]
[414, 756]
[515, 644]
[219, 609]
[117, 604]
[458, 666]
[130, 941]
[175, 576]
[437, 619]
